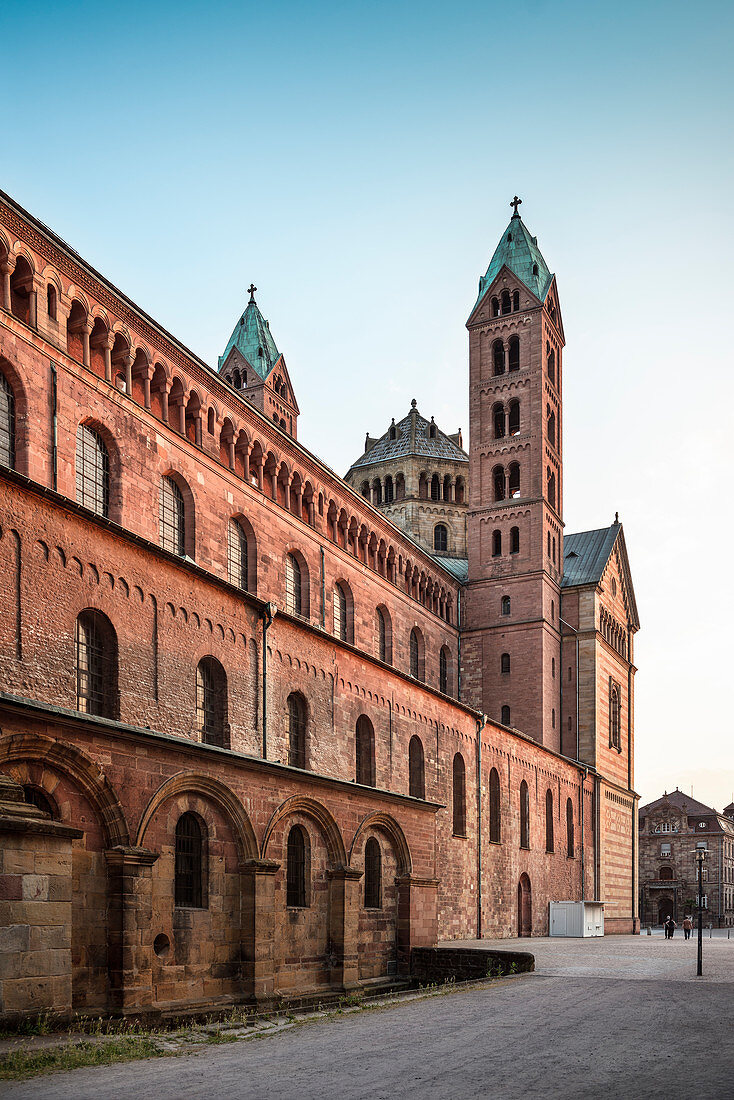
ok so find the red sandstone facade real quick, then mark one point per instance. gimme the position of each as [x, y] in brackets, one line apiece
[460, 858]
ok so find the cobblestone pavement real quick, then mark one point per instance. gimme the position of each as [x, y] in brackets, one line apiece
[626, 956]
[536, 1035]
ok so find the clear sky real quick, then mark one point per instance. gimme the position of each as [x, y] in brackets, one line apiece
[357, 161]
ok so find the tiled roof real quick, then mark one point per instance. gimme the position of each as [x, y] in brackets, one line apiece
[457, 567]
[681, 801]
[252, 338]
[586, 554]
[411, 438]
[520, 252]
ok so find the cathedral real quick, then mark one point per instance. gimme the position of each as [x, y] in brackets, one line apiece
[265, 731]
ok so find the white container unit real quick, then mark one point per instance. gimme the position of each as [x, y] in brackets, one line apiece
[577, 918]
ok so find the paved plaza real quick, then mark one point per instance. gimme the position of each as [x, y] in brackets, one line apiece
[617, 1017]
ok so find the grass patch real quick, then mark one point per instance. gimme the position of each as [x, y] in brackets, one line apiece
[18, 1065]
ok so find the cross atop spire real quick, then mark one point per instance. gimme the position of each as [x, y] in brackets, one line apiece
[515, 203]
[251, 291]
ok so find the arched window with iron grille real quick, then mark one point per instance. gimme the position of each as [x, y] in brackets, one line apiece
[524, 815]
[297, 869]
[444, 670]
[505, 664]
[211, 702]
[549, 820]
[237, 555]
[96, 665]
[459, 795]
[372, 874]
[416, 768]
[7, 424]
[92, 471]
[505, 716]
[416, 654]
[495, 817]
[365, 751]
[440, 537]
[296, 730]
[172, 517]
[189, 886]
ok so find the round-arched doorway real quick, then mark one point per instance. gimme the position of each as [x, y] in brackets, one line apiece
[524, 907]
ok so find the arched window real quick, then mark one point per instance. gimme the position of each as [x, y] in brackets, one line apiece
[365, 490]
[459, 494]
[551, 490]
[514, 472]
[615, 713]
[514, 418]
[389, 492]
[189, 891]
[92, 471]
[51, 302]
[365, 751]
[550, 357]
[440, 537]
[459, 795]
[172, 517]
[665, 874]
[416, 768]
[514, 353]
[495, 816]
[444, 670]
[496, 544]
[37, 797]
[505, 664]
[499, 422]
[435, 487]
[7, 424]
[237, 555]
[296, 874]
[505, 299]
[340, 612]
[372, 874]
[377, 490]
[505, 605]
[570, 848]
[495, 307]
[393, 431]
[432, 430]
[498, 357]
[515, 301]
[514, 540]
[416, 655]
[524, 815]
[296, 730]
[549, 820]
[498, 478]
[381, 634]
[505, 719]
[211, 701]
[96, 665]
[293, 586]
[551, 424]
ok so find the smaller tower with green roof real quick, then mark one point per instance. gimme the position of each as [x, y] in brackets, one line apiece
[252, 364]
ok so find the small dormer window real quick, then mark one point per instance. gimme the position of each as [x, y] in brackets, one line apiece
[431, 430]
[535, 270]
[260, 352]
[393, 433]
[509, 236]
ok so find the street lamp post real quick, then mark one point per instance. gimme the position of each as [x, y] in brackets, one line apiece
[700, 857]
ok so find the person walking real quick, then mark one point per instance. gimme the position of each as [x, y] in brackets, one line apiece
[687, 927]
[670, 928]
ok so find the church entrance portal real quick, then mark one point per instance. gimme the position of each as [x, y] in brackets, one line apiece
[524, 907]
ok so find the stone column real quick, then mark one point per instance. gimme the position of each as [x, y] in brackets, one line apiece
[246, 463]
[311, 513]
[147, 376]
[506, 413]
[35, 908]
[257, 929]
[6, 269]
[130, 909]
[128, 361]
[197, 429]
[287, 494]
[417, 916]
[109, 343]
[344, 927]
[230, 454]
[86, 332]
[36, 285]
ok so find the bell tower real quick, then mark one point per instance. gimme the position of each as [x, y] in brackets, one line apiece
[511, 644]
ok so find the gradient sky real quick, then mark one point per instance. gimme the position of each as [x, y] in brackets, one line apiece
[357, 161]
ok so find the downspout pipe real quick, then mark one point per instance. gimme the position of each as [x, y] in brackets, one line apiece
[481, 723]
[268, 614]
[584, 777]
[54, 427]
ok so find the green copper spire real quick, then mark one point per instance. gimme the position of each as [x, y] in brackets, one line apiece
[519, 251]
[252, 339]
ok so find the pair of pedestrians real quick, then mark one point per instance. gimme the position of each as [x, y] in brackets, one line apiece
[670, 927]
